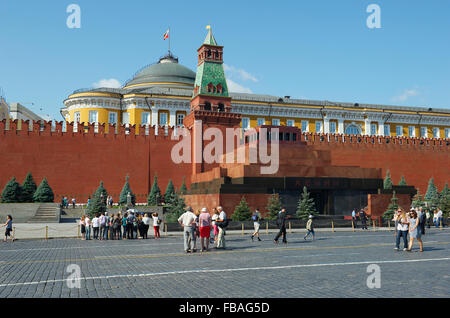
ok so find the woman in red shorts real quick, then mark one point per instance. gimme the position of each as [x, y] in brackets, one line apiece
[204, 223]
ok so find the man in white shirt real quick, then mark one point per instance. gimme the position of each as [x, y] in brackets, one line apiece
[440, 219]
[186, 220]
[221, 236]
[95, 226]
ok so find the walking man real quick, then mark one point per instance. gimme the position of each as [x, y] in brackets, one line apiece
[186, 220]
[309, 228]
[281, 222]
[255, 218]
[222, 223]
[355, 222]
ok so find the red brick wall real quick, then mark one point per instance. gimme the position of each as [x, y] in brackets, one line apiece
[418, 163]
[75, 163]
[378, 203]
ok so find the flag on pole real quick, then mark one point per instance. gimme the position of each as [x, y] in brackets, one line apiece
[166, 35]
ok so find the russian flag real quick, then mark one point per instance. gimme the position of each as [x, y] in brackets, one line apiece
[166, 35]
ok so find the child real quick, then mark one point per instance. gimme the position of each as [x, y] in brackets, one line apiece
[310, 228]
[9, 228]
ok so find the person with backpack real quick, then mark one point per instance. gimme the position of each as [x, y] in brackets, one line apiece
[256, 217]
[222, 223]
[281, 222]
[363, 217]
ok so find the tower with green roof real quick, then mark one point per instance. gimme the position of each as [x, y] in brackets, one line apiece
[210, 87]
[211, 102]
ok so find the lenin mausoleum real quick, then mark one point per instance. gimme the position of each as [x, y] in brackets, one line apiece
[340, 151]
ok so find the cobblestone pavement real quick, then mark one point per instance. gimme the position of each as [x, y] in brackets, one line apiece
[334, 265]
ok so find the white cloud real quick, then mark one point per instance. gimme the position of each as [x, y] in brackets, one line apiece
[236, 88]
[107, 83]
[405, 95]
[240, 73]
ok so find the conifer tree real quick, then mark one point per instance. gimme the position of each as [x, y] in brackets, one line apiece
[183, 189]
[124, 193]
[402, 182]
[44, 193]
[387, 184]
[306, 206]
[28, 189]
[170, 193]
[431, 191]
[444, 202]
[432, 195]
[242, 211]
[418, 201]
[98, 202]
[176, 209]
[12, 192]
[389, 213]
[154, 197]
[273, 206]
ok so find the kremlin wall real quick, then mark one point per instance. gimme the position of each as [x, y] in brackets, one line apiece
[75, 162]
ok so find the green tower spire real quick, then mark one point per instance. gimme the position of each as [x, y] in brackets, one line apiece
[210, 79]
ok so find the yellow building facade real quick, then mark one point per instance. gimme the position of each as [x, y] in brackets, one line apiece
[160, 94]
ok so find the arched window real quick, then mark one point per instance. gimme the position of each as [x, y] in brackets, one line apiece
[353, 130]
[221, 107]
[210, 87]
[219, 89]
[207, 106]
[208, 53]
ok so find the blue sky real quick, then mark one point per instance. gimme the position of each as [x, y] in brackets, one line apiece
[305, 49]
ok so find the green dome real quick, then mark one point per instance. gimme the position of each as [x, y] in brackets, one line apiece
[167, 73]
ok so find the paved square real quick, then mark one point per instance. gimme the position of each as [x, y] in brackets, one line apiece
[335, 265]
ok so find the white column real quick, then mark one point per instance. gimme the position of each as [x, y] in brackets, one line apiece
[326, 125]
[172, 118]
[380, 128]
[340, 126]
[154, 117]
[367, 127]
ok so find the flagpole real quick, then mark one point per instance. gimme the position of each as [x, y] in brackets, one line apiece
[170, 35]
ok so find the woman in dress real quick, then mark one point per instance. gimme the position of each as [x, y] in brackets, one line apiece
[414, 231]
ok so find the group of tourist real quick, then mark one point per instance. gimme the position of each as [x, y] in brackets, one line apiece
[412, 223]
[131, 225]
[65, 202]
[199, 224]
[362, 216]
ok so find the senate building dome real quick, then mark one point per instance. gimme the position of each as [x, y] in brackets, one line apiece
[166, 73]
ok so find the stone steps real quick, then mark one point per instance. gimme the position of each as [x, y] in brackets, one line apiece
[46, 213]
